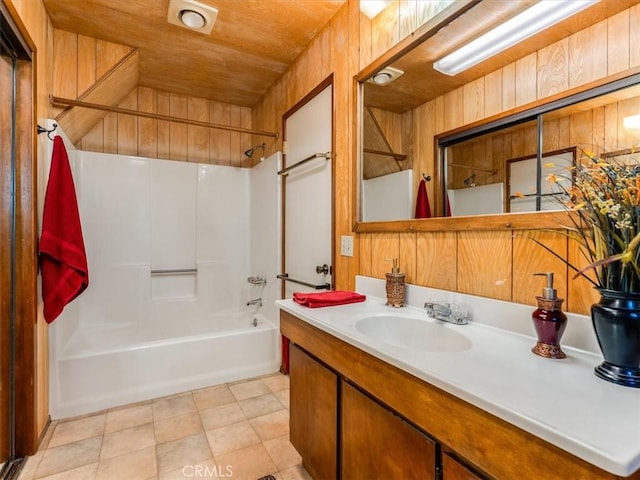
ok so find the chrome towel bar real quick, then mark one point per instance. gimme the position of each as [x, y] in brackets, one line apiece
[285, 171]
[178, 271]
[286, 278]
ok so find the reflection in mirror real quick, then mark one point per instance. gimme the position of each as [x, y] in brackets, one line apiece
[508, 169]
[476, 170]
[401, 121]
[392, 93]
[388, 166]
[484, 178]
[530, 192]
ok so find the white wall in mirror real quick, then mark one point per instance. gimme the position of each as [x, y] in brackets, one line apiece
[389, 197]
[522, 182]
[480, 200]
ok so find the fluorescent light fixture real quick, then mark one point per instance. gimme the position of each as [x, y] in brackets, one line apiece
[516, 29]
[631, 122]
[371, 8]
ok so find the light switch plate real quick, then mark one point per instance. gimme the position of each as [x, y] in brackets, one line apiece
[346, 246]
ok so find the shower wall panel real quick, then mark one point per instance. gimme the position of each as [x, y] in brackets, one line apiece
[222, 235]
[115, 209]
[173, 215]
[140, 215]
[265, 226]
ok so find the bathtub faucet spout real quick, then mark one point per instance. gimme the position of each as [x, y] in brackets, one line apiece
[255, 301]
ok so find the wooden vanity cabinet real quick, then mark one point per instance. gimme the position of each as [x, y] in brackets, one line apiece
[313, 414]
[485, 443]
[376, 443]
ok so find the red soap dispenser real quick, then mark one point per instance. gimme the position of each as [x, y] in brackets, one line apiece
[549, 321]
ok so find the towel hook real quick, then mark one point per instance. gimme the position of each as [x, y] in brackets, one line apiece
[427, 178]
[48, 132]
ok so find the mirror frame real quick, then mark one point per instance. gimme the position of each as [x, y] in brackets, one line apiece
[508, 221]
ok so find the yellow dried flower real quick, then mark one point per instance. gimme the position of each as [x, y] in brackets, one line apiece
[604, 194]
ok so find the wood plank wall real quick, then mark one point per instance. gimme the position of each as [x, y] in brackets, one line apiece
[499, 264]
[81, 61]
[495, 264]
[334, 50]
[130, 135]
[395, 22]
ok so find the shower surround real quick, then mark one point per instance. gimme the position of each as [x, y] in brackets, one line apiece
[170, 246]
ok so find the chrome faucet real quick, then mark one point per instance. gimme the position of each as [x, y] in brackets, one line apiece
[450, 312]
[257, 280]
[255, 301]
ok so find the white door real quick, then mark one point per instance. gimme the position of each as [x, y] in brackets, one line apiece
[307, 235]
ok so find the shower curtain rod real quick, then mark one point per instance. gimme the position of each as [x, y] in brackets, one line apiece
[59, 101]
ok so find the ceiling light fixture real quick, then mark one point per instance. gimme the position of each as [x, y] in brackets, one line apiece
[192, 19]
[381, 78]
[192, 15]
[385, 76]
[371, 8]
[527, 23]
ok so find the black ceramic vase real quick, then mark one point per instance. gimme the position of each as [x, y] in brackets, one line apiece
[616, 320]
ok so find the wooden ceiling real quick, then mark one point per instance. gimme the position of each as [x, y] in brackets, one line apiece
[252, 43]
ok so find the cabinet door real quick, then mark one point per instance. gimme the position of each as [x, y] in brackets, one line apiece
[376, 443]
[313, 414]
[452, 470]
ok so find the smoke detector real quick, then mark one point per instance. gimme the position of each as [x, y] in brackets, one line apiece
[192, 15]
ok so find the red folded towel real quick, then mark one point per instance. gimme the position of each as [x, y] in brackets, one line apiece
[327, 299]
[63, 261]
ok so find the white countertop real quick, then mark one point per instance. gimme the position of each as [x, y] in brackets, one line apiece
[560, 401]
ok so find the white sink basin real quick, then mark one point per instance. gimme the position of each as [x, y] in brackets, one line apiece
[413, 333]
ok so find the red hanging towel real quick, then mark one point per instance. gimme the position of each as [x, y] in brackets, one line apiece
[327, 299]
[63, 261]
[423, 209]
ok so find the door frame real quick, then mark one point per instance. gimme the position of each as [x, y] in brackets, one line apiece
[26, 233]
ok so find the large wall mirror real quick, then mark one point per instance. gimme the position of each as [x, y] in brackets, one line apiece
[495, 168]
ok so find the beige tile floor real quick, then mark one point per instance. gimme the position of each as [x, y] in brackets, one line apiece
[233, 431]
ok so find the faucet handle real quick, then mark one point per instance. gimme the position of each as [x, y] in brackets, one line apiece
[458, 313]
[449, 312]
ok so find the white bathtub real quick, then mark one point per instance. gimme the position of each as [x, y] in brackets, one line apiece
[101, 367]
